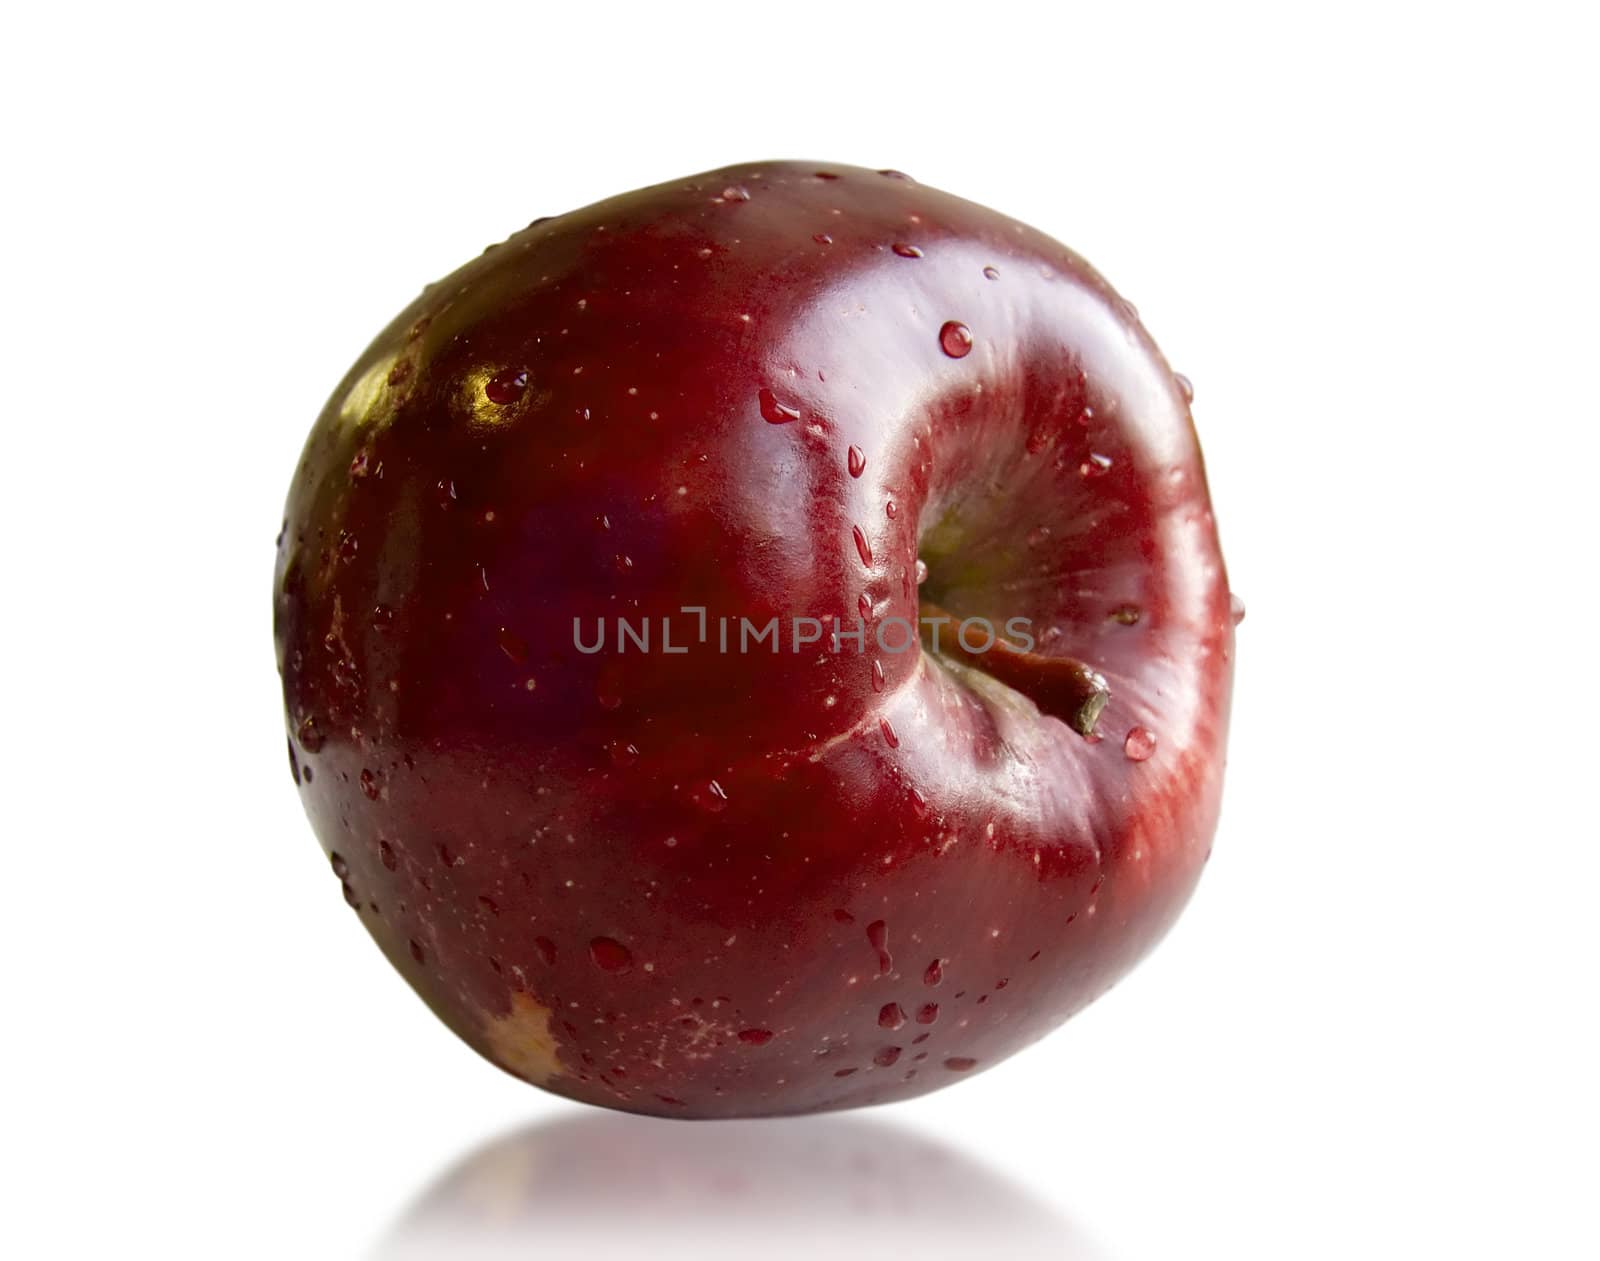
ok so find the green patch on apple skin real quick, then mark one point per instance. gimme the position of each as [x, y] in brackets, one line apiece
[967, 552]
[944, 538]
[945, 548]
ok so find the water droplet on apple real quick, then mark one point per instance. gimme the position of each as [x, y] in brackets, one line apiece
[1095, 466]
[340, 867]
[352, 898]
[505, 388]
[1235, 610]
[309, 734]
[417, 952]
[1185, 386]
[884, 1057]
[890, 173]
[889, 736]
[878, 937]
[1139, 744]
[877, 676]
[822, 238]
[864, 606]
[889, 510]
[934, 973]
[361, 462]
[774, 412]
[610, 955]
[1126, 614]
[920, 571]
[991, 273]
[546, 949]
[755, 1037]
[386, 853]
[369, 785]
[710, 797]
[955, 339]
[863, 548]
[960, 1063]
[856, 459]
[927, 1013]
[906, 251]
[891, 1016]
[735, 192]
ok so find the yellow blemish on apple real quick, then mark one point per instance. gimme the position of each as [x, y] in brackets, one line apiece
[522, 1041]
[362, 403]
[473, 401]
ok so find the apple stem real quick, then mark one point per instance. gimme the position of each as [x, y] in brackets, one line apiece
[1062, 687]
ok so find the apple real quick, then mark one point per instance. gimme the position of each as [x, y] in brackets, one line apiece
[759, 644]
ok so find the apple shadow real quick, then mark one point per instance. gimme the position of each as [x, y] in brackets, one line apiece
[609, 1185]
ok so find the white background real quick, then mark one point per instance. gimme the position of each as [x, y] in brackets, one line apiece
[1368, 234]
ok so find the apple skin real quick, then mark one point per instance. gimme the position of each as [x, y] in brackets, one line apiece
[707, 884]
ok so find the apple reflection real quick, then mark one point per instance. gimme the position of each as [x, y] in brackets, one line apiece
[607, 1185]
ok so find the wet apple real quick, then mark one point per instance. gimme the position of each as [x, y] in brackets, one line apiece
[759, 644]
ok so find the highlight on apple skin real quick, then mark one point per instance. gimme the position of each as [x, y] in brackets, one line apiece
[759, 644]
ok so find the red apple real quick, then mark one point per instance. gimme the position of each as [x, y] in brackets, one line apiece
[817, 873]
